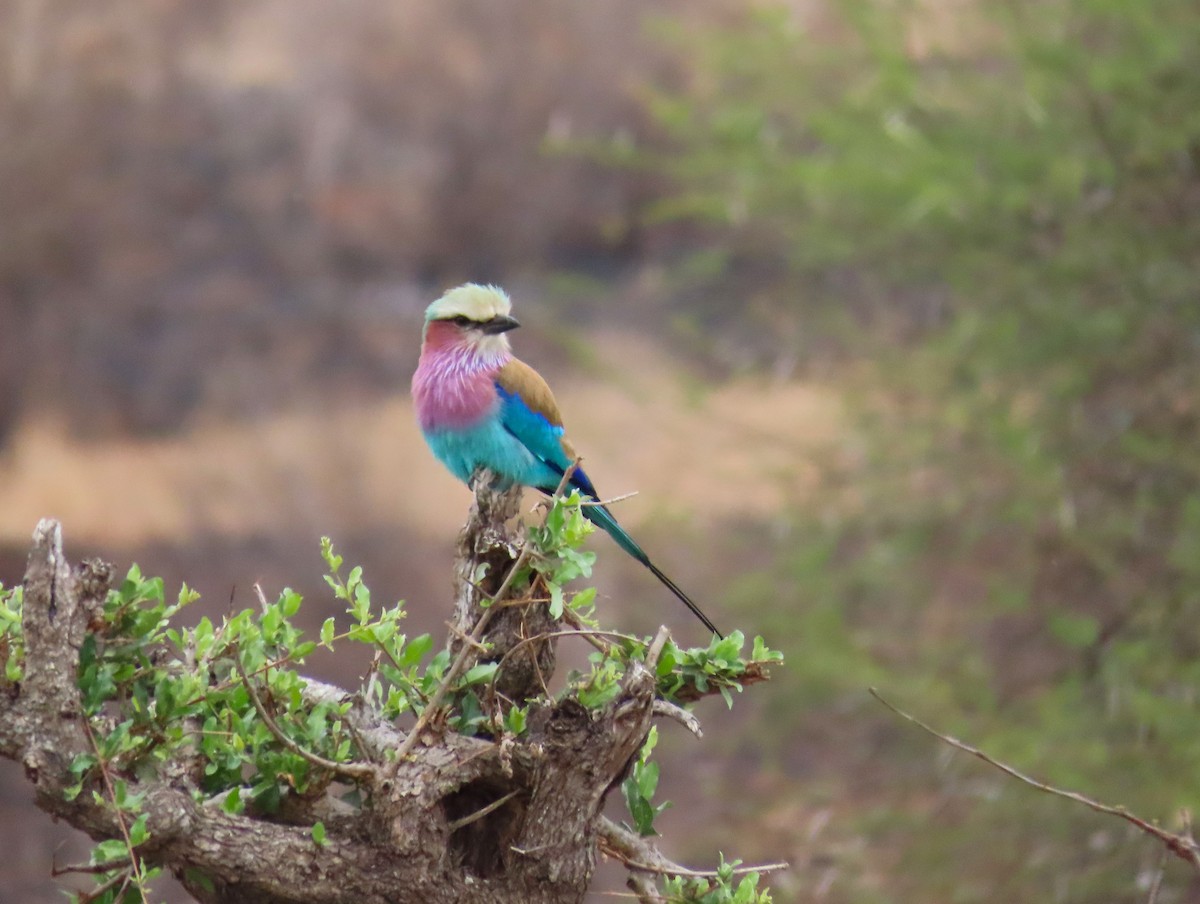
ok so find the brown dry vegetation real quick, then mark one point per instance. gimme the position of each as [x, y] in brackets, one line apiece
[364, 465]
[211, 208]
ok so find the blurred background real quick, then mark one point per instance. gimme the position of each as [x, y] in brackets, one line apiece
[889, 309]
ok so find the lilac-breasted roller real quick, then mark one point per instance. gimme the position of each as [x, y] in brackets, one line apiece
[479, 407]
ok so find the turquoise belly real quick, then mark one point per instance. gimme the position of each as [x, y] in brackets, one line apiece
[490, 446]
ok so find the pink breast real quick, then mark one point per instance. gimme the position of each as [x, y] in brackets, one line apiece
[453, 405]
[453, 389]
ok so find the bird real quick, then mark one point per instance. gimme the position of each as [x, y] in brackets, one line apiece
[480, 407]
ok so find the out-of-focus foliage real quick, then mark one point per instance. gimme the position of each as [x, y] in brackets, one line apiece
[990, 214]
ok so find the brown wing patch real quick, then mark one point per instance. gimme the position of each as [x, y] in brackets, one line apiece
[518, 377]
[568, 449]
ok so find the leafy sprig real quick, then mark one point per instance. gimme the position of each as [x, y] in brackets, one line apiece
[684, 675]
[729, 886]
[558, 557]
[12, 636]
[640, 787]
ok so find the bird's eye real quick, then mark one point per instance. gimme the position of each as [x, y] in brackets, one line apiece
[461, 320]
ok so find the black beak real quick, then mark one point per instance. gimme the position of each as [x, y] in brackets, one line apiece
[501, 323]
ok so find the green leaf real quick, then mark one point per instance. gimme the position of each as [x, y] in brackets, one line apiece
[584, 599]
[271, 620]
[318, 834]
[643, 815]
[481, 672]
[233, 802]
[647, 780]
[138, 833]
[290, 602]
[728, 649]
[187, 596]
[515, 720]
[596, 696]
[328, 628]
[556, 599]
[470, 715]
[108, 851]
[202, 637]
[332, 561]
[415, 650]
[667, 659]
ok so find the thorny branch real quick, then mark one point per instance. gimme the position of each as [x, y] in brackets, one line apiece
[1183, 845]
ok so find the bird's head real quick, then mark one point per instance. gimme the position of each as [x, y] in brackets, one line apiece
[471, 314]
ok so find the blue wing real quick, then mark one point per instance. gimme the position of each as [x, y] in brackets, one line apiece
[530, 415]
[543, 438]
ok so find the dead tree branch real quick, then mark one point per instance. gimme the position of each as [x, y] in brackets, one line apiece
[1183, 845]
[443, 817]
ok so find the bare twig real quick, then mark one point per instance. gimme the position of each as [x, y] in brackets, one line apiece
[679, 714]
[350, 770]
[656, 647]
[1158, 877]
[90, 868]
[595, 638]
[613, 501]
[643, 888]
[476, 635]
[638, 854]
[98, 892]
[1182, 845]
[134, 864]
[466, 638]
[483, 811]
[586, 633]
[262, 597]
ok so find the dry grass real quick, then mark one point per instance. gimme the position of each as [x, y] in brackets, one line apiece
[745, 449]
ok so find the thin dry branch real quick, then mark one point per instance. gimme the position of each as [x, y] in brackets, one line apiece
[135, 863]
[350, 770]
[95, 894]
[89, 868]
[644, 889]
[638, 854]
[679, 714]
[476, 635]
[610, 501]
[1182, 845]
[1156, 885]
[482, 812]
